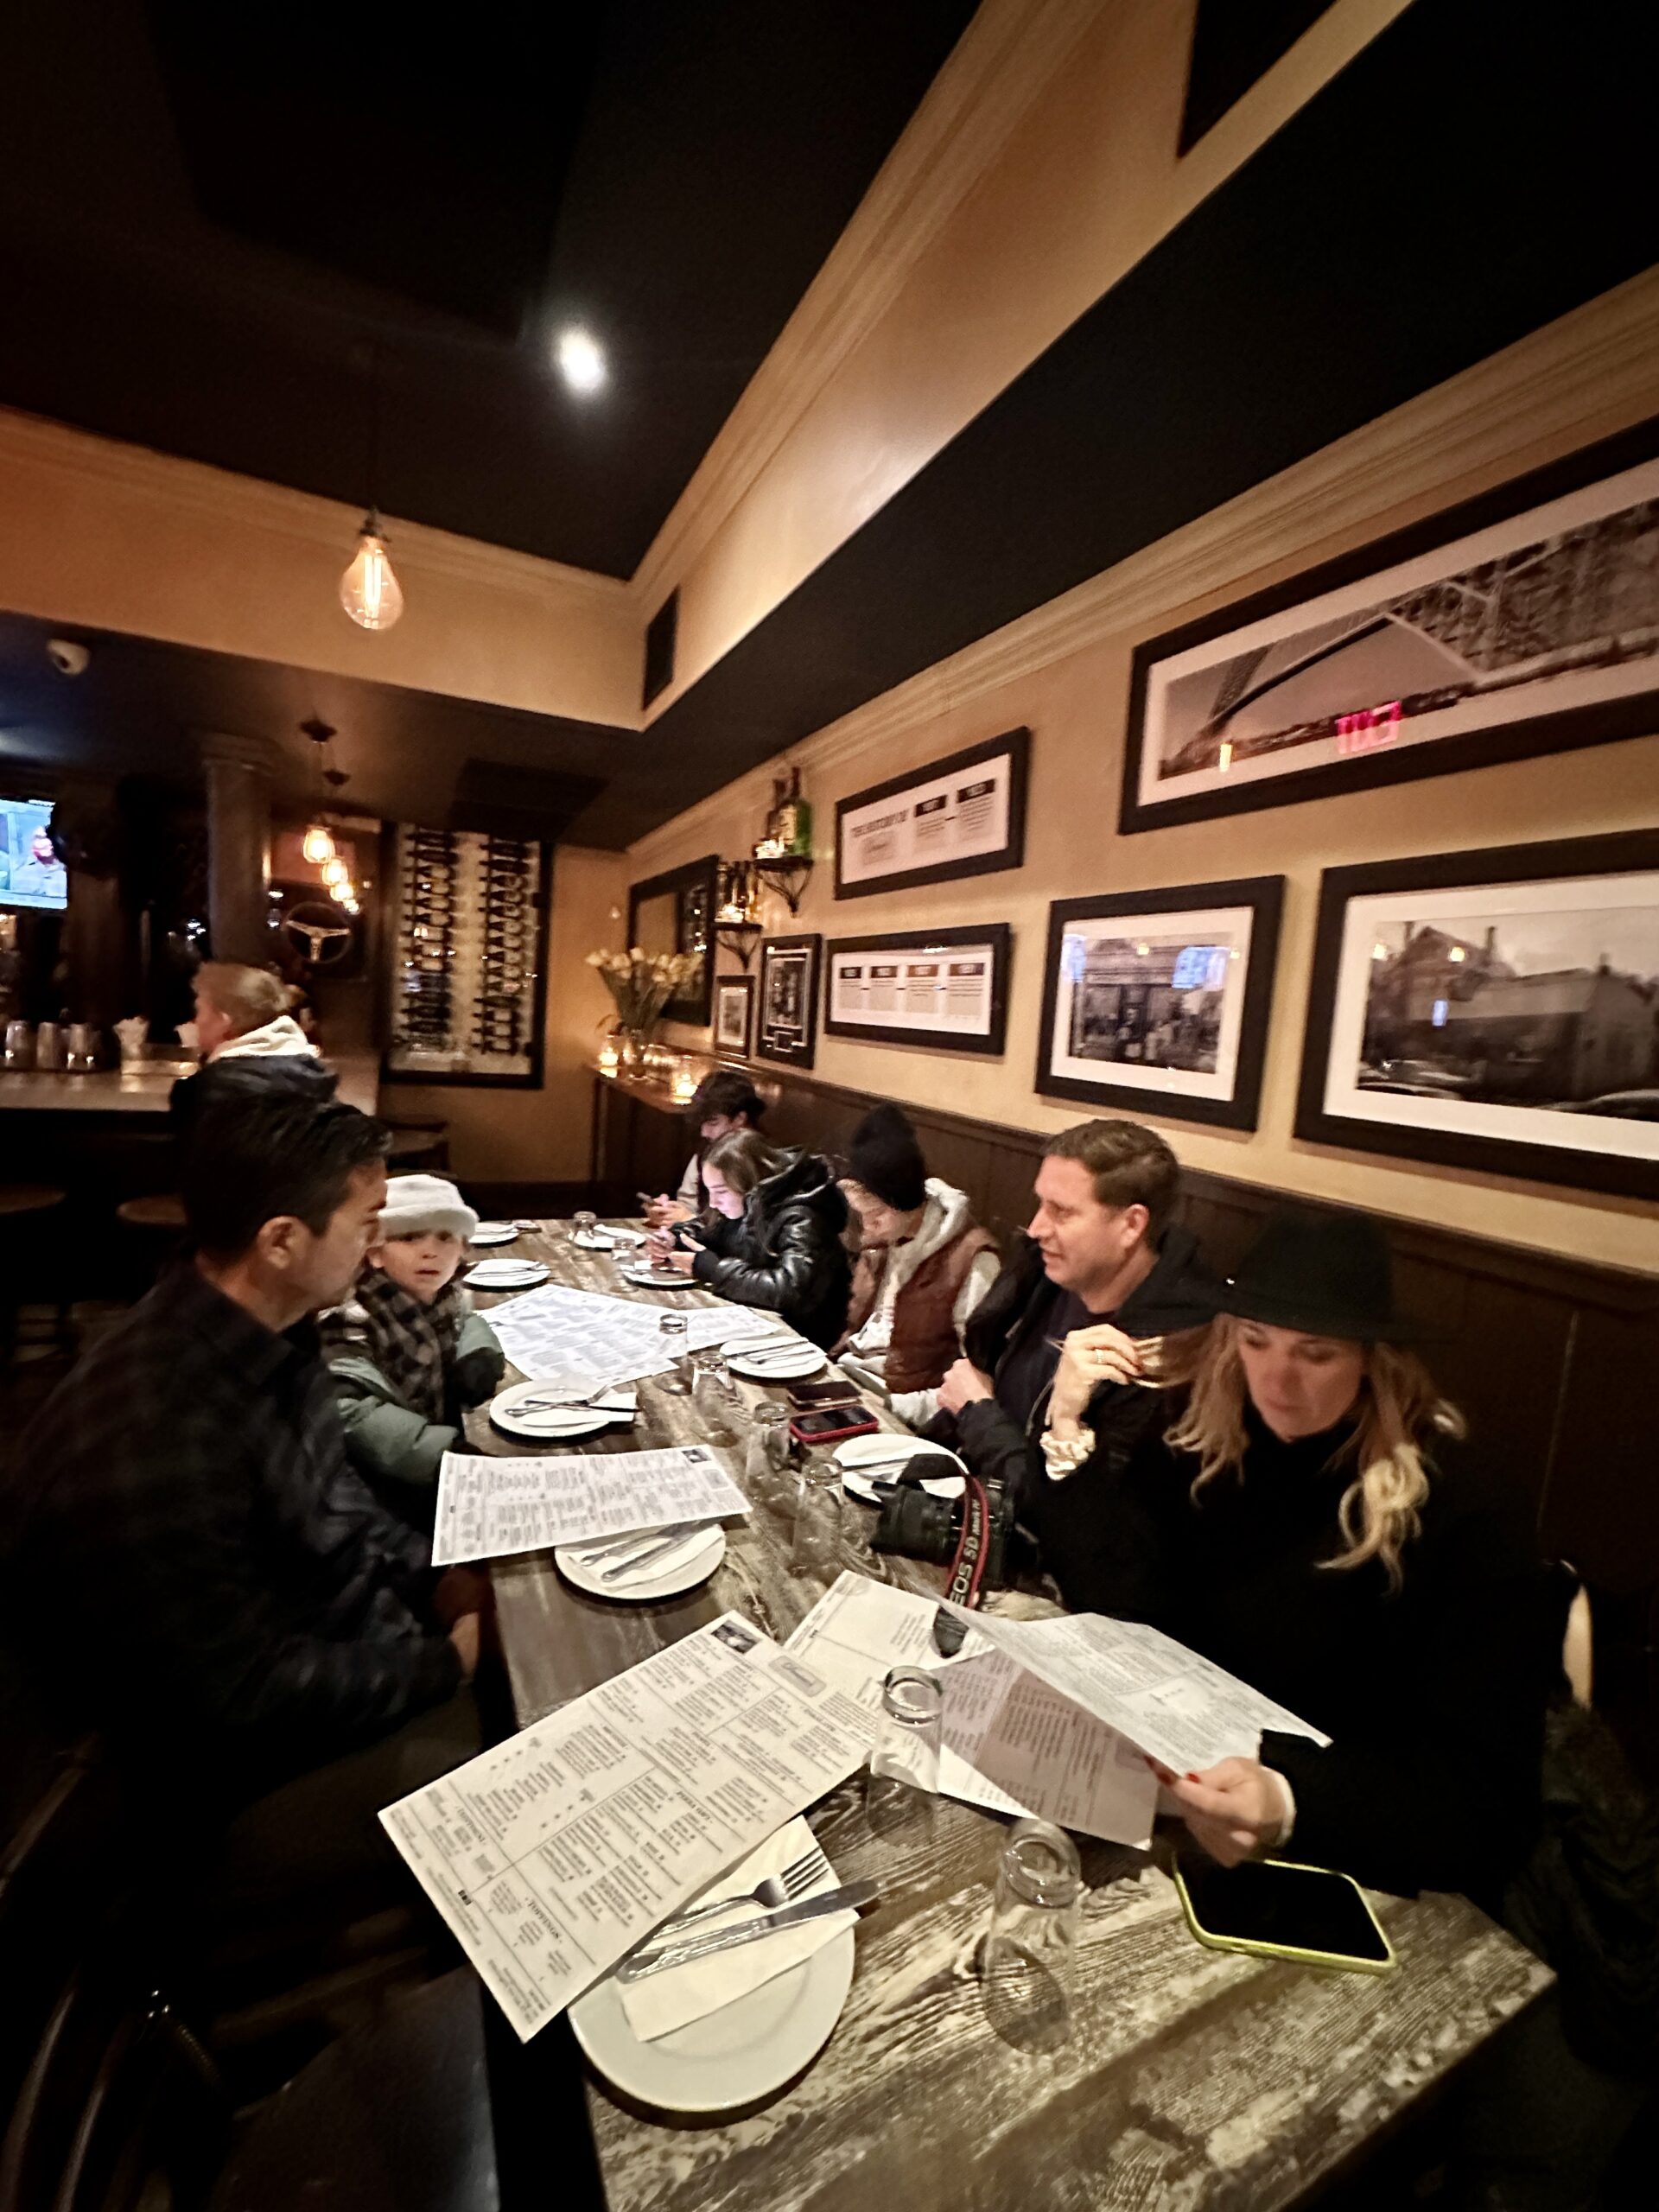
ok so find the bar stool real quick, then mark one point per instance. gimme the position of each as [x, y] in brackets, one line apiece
[26, 1210]
[153, 1229]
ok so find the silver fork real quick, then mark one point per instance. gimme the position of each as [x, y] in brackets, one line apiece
[775, 1890]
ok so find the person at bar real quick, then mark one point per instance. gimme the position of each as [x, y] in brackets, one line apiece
[407, 1354]
[923, 1266]
[1101, 1257]
[248, 1043]
[189, 1562]
[722, 1103]
[772, 1237]
[1308, 1521]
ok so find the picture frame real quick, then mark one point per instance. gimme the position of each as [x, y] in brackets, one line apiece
[675, 913]
[961, 815]
[947, 989]
[1159, 1000]
[786, 1014]
[734, 1016]
[1494, 1010]
[1418, 655]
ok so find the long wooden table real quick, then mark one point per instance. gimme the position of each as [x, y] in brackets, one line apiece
[1191, 2078]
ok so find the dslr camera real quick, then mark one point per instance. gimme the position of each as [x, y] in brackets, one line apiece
[917, 1525]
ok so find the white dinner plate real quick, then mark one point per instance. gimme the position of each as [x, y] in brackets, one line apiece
[864, 1460]
[493, 1232]
[747, 2050]
[679, 1570]
[558, 1422]
[507, 1274]
[648, 1279]
[608, 1240]
[788, 1365]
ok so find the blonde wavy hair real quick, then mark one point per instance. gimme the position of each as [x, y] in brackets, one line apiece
[1398, 1411]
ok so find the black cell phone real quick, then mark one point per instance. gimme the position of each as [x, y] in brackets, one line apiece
[832, 1424]
[810, 1397]
[1283, 1911]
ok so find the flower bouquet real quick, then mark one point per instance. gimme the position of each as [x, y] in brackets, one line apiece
[642, 983]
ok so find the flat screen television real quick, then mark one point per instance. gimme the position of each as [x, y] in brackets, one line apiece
[31, 874]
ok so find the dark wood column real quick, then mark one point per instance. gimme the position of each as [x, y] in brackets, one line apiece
[237, 774]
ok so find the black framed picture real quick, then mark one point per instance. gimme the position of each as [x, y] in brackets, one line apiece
[734, 1016]
[947, 989]
[961, 815]
[1159, 999]
[1495, 1010]
[786, 1021]
[675, 913]
[1525, 621]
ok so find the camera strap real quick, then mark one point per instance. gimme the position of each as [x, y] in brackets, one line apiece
[973, 1546]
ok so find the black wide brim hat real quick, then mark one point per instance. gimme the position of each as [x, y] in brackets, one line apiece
[1324, 1275]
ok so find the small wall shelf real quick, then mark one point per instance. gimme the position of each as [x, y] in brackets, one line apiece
[788, 875]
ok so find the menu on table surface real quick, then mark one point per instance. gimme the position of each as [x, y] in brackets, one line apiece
[557, 1852]
[577, 1339]
[1011, 1743]
[491, 1506]
[1180, 1709]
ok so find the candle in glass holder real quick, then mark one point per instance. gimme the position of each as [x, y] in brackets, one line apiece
[684, 1086]
[609, 1058]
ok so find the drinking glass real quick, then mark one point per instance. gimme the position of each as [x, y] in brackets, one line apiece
[765, 1457]
[1028, 1961]
[671, 1326]
[583, 1225]
[816, 1551]
[902, 1780]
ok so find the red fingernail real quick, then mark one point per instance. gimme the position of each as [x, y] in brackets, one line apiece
[1193, 1778]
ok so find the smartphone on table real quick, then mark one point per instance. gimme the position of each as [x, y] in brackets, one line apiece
[833, 1425]
[811, 1397]
[1275, 1910]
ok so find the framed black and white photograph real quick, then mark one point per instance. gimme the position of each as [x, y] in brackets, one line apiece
[1526, 621]
[734, 1016]
[787, 1019]
[961, 815]
[947, 989]
[1494, 1010]
[1159, 999]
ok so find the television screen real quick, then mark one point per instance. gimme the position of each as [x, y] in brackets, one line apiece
[31, 874]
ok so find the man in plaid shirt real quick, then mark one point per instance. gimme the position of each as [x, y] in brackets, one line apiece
[203, 1576]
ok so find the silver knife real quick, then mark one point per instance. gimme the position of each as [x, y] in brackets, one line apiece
[615, 1569]
[849, 1896]
[610, 1550]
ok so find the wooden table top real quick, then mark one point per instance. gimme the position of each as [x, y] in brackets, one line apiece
[1191, 2077]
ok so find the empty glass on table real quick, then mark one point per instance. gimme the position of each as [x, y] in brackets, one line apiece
[902, 1780]
[767, 1470]
[816, 1553]
[671, 1326]
[1028, 1960]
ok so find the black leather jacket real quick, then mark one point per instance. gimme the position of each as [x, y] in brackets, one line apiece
[786, 1251]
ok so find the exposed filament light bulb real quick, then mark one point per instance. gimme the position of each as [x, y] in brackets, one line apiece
[369, 591]
[318, 846]
[335, 872]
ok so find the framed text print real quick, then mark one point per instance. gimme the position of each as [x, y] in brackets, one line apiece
[1495, 1010]
[1159, 999]
[787, 1019]
[963, 816]
[1524, 622]
[947, 988]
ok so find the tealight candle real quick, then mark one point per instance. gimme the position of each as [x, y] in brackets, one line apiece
[609, 1059]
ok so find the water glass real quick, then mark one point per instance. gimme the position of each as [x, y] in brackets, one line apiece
[1028, 1961]
[20, 1044]
[672, 1327]
[765, 1457]
[816, 1554]
[711, 1382]
[583, 1224]
[902, 1781]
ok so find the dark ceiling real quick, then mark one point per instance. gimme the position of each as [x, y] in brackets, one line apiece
[223, 229]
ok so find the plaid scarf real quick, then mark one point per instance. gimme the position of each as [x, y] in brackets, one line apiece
[412, 1345]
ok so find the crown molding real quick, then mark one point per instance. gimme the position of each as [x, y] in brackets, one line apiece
[1592, 372]
[248, 502]
[1009, 51]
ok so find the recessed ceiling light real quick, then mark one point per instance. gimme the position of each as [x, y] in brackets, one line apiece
[581, 360]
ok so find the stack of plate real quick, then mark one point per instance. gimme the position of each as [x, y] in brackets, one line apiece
[538, 1413]
[507, 1274]
[494, 1232]
[775, 1359]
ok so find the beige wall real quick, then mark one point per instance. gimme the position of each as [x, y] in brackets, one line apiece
[542, 1136]
[1065, 671]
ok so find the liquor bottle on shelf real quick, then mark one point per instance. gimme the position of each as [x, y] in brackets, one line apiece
[794, 819]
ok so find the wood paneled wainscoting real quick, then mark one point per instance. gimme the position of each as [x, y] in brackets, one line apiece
[1555, 1363]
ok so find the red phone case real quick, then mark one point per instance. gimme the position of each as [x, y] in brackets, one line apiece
[866, 1427]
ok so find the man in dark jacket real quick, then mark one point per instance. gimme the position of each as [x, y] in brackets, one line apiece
[1099, 1259]
[200, 1573]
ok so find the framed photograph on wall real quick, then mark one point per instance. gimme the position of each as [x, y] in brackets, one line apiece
[961, 815]
[1494, 1010]
[944, 988]
[1525, 621]
[1159, 999]
[787, 1019]
[734, 1016]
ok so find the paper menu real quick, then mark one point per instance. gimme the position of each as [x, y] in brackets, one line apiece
[553, 1855]
[577, 1339]
[1011, 1743]
[491, 1506]
[1181, 1709]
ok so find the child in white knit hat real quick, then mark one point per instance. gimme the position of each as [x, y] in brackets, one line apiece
[407, 1354]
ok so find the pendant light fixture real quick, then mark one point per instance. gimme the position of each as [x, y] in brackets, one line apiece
[369, 591]
[318, 844]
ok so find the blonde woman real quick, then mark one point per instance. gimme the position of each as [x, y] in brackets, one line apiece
[1307, 1522]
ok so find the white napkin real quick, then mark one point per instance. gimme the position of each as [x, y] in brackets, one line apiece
[678, 1995]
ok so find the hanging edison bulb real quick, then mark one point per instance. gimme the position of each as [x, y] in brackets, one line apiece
[318, 846]
[335, 872]
[369, 591]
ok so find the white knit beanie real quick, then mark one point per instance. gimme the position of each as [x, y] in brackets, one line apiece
[415, 1204]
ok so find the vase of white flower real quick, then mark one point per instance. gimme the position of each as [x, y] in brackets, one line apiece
[641, 984]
